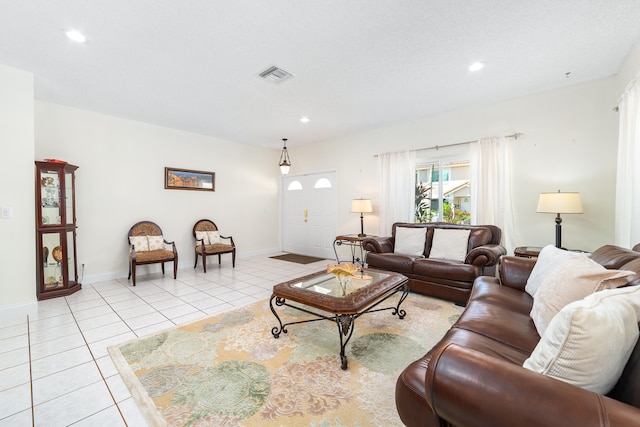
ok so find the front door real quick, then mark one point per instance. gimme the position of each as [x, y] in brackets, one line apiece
[310, 214]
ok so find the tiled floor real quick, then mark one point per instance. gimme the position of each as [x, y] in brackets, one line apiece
[54, 366]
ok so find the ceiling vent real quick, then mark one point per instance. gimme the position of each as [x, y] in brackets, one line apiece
[275, 75]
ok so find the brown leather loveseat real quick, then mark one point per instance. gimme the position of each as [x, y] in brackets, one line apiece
[443, 278]
[474, 375]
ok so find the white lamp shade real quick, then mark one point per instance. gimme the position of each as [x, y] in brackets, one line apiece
[563, 203]
[361, 205]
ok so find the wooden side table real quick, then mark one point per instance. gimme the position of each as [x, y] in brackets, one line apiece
[354, 242]
[527, 251]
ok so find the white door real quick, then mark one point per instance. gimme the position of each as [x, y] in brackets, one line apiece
[310, 214]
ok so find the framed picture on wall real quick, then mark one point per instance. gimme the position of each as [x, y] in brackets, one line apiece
[186, 179]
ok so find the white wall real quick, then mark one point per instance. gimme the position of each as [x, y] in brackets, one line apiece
[120, 181]
[17, 247]
[569, 143]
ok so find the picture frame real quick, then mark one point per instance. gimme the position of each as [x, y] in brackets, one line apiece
[187, 179]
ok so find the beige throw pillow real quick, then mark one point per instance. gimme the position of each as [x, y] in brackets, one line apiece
[410, 240]
[572, 280]
[549, 258]
[589, 342]
[214, 237]
[140, 243]
[156, 243]
[202, 235]
[450, 244]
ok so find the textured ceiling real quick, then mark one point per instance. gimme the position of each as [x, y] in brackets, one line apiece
[358, 64]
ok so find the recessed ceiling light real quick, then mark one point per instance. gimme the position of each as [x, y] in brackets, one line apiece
[476, 66]
[76, 36]
[304, 119]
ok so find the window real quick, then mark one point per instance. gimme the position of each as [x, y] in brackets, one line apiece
[322, 183]
[294, 186]
[443, 192]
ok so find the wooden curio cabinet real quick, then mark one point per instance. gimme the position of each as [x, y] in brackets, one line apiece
[57, 269]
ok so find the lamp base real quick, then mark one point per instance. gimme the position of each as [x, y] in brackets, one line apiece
[362, 235]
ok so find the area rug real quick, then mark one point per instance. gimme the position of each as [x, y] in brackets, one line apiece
[298, 259]
[229, 371]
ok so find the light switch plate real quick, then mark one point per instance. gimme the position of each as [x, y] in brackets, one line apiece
[7, 212]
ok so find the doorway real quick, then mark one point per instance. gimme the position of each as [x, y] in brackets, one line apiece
[310, 214]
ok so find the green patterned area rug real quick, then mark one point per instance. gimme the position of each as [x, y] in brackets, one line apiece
[229, 371]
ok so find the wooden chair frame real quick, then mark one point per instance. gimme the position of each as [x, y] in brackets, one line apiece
[148, 228]
[207, 250]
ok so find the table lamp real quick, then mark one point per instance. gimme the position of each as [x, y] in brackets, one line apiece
[559, 203]
[361, 205]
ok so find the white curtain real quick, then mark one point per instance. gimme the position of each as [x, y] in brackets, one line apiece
[397, 182]
[627, 228]
[491, 197]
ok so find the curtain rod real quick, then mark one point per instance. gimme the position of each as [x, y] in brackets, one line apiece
[515, 135]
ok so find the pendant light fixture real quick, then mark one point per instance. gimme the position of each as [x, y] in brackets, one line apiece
[285, 162]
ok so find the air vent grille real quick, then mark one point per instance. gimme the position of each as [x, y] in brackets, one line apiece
[275, 75]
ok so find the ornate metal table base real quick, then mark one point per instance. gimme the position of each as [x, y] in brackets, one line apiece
[345, 322]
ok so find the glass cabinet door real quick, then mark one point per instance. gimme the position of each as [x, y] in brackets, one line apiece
[52, 261]
[69, 208]
[50, 212]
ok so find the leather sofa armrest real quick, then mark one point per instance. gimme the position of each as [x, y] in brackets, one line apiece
[469, 388]
[485, 255]
[514, 271]
[378, 244]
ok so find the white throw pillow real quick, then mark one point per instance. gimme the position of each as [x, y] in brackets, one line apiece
[214, 237]
[589, 342]
[450, 244]
[202, 235]
[572, 280]
[156, 243]
[548, 259]
[140, 243]
[410, 240]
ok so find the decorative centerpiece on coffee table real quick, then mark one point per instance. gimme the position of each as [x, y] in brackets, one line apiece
[344, 272]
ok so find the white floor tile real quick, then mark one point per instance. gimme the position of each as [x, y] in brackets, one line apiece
[63, 382]
[74, 406]
[15, 400]
[21, 419]
[110, 417]
[14, 376]
[60, 361]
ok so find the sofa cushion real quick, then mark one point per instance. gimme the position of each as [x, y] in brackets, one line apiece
[393, 262]
[445, 269]
[589, 342]
[610, 256]
[410, 240]
[140, 243]
[449, 244]
[548, 259]
[572, 280]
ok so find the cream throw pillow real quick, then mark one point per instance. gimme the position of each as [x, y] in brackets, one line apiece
[410, 240]
[548, 259]
[450, 244]
[156, 243]
[589, 342]
[202, 235]
[572, 280]
[140, 243]
[214, 237]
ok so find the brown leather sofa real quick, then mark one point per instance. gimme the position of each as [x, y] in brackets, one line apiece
[474, 375]
[441, 278]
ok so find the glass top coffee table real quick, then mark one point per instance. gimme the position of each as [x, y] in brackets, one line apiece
[323, 292]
